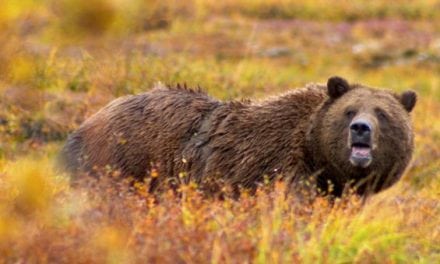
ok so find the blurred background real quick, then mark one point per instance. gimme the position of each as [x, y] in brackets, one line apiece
[62, 60]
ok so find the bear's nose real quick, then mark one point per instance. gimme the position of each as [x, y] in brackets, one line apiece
[360, 128]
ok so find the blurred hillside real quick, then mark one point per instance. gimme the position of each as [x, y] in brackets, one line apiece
[61, 60]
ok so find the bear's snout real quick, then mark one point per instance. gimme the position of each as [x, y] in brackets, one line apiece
[361, 130]
[360, 142]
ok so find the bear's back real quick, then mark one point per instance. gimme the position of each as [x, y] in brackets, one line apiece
[133, 130]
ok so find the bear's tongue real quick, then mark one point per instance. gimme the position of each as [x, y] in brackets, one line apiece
[361, 152]
[361, 156]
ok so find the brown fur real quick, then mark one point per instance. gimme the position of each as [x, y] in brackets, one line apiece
[300, 135]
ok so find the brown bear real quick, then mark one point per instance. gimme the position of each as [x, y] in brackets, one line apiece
[329, 137]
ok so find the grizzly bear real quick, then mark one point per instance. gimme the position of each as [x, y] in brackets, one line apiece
[328, 137]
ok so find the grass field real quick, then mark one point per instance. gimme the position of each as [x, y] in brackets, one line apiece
[62, 60]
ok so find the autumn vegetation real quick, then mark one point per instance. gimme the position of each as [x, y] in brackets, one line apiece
[61, 60]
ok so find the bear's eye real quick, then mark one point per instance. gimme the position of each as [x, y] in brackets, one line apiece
[350, 113]
[381, 114]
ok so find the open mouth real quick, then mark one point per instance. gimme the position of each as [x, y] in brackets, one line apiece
[360, 155]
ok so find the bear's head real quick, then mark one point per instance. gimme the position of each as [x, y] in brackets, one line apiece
[361, 136]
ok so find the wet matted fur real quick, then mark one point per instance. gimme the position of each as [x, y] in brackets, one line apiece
[301, 136]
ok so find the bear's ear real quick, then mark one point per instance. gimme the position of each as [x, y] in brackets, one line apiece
[408, 99]
[337, 86]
